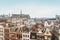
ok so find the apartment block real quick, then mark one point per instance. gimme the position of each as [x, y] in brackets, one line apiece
[6, 33]
[1, 32]
[25, 36]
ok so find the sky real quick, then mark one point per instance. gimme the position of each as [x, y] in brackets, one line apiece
[35, 8]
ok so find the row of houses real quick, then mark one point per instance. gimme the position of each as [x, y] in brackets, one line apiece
[6, 34]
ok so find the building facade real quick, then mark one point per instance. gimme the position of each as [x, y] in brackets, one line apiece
[1, 32]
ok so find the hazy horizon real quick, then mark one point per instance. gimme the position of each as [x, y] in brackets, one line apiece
[35, 8]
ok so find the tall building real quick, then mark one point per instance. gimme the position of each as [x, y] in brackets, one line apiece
[1, 32]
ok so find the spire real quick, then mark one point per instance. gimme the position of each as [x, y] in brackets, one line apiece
[20, 13]
[3, 15]
[9, 14]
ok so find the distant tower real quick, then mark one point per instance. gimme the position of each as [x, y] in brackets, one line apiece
[3, 15]
[20, 13]
[9, 14]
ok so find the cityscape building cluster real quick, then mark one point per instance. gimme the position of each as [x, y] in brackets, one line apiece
[22, 27]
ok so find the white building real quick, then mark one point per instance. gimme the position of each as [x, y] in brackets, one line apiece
[47, 34]
[26, 36]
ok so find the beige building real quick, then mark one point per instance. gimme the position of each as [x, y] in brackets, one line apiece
[1, 32]
[47, 34]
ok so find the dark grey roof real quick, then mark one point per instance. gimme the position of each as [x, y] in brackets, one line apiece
[15, 15]
[20, 15]
[45, 19]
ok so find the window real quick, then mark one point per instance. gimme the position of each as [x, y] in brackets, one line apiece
[1, 30]
[1, 34]
[1, 38]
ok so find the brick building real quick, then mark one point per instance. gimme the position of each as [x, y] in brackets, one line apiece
[6, 33]
[13, 36]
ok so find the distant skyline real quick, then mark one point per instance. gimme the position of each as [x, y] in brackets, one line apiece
[35, 8]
